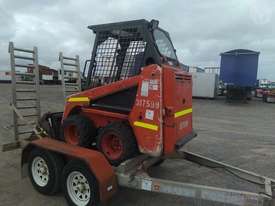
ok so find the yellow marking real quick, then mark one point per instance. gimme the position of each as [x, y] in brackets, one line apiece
[78, 99]
[183, 112]
[146, 125]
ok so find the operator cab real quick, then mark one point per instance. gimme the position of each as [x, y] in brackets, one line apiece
[121, 49]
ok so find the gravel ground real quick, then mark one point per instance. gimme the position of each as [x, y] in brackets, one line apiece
[240, 134]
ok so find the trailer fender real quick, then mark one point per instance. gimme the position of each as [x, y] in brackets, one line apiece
[94, 160]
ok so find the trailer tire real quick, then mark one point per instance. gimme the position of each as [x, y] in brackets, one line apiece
[78, 130]
[79, 184]
[45, 170]
[117, 142]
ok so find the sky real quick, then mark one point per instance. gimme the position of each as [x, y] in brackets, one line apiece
[200, 29]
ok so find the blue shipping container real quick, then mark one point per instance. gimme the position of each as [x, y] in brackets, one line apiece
[239, 67]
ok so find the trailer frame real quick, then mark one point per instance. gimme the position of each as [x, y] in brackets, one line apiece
[133, 174]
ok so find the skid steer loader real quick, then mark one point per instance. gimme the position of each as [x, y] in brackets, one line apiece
[136, 99]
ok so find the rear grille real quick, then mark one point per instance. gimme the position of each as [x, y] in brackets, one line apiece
[182, 77]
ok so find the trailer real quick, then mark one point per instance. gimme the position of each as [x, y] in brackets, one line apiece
[239, 73]
[88, 178]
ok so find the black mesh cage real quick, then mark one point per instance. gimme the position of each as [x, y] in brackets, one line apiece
[118, 55]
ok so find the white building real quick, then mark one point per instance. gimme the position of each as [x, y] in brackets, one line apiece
[69, 76]
[5, 76]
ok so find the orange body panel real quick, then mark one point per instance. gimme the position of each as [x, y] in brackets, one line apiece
[177, 97]
[161, 115]
[146, 115]
[95, 160]
[98, 92]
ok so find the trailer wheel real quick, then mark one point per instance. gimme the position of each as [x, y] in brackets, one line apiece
[78, 130]
[80, 185]
[117, 142]
[44, 171]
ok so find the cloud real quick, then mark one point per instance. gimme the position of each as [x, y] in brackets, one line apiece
[200, 30]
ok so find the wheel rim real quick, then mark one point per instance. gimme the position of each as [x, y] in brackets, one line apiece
[71, 135]
[40, 171]
[112, 146]
[78, 188]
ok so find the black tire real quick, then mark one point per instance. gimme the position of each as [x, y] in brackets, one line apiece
[126, 137]
[79, 166]
[85, 129]
[54, 164]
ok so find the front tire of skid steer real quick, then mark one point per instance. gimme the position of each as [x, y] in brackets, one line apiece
[117, 142]
[79, 185]
[45, 171]
[78, 130]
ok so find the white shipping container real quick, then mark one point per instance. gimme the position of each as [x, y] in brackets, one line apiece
[205, 85]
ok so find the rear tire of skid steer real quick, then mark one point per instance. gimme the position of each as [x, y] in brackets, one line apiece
[117, 142]
[80, 185]
[78, 130]
[45, 171]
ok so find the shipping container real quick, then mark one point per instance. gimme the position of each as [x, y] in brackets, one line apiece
[205, 85]
[238, 71]
[239, 67]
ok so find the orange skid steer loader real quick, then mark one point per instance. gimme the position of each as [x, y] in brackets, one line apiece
[137, 98]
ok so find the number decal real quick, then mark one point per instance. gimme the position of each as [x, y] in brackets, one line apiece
[148, 104]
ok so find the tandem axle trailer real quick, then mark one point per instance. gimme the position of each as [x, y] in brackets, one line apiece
[92, 165]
